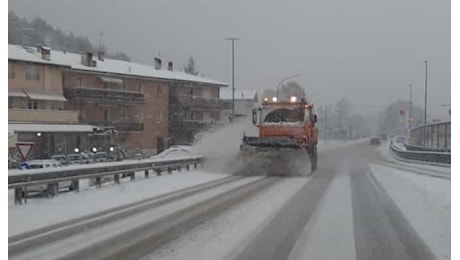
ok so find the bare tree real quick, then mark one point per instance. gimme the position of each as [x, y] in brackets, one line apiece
[190, 68]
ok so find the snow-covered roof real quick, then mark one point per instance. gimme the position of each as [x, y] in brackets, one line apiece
[239, 95]
[49, 128]
[73, 60]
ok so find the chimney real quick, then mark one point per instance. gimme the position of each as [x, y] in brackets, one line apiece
[100, 55]
[170, 65]
[157, 63]
[46, 53]
[87, 59]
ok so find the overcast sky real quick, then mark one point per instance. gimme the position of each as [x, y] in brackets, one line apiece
[366, 51]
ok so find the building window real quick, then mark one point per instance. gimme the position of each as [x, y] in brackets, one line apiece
[159, 117]
[78, 82]
[141, 88]
[11, 74]
[35, 105]
[32, 72]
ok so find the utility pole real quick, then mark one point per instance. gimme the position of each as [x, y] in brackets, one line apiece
[426, 97]
[410, 110]
[233, 39]
[325, 125]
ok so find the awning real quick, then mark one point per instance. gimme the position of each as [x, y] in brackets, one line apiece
[37, 96]
[49, 128]
[112, 80]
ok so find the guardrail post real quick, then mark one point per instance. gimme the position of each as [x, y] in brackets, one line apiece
[146, 174]
[187, 167]
[195, 165]
[116, 178]
[98, 182]
[18, 195]
[51, 189]
[133, 176]
[76, 185]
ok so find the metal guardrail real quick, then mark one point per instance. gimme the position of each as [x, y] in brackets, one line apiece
[426, 156]
[425, 149]
[20, 180]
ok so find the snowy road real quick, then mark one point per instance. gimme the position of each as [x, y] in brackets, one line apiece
[352, 208]
[356, 206]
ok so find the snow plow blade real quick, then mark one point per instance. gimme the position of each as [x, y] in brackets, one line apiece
[272, 157]
[251, 143]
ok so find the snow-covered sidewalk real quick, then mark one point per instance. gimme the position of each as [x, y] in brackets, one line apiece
[42, 212]
[424, 201]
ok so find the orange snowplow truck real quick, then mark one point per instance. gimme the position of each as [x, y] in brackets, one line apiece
[284, 126]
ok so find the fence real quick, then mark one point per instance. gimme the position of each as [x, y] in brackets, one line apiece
[20, 180]
[434, 136]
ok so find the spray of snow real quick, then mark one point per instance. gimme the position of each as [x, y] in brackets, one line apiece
[221, 146]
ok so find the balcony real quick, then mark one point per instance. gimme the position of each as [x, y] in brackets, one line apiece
[124, 126]
[42, 116]
[103, 95]
[195, 102]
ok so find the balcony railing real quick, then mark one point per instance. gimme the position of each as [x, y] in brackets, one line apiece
[43, 116]
[103, 95]
[198, 102]
[125, 126]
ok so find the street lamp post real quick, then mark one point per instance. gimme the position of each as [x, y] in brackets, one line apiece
[233, 39]
[282, 81]
[410, 106]
[426, 98]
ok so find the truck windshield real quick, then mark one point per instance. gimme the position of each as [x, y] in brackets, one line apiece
[278, 115]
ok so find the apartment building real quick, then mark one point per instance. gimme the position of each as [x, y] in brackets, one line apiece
[126, 103]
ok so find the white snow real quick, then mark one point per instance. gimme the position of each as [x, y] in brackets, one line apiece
[73, 60]
[228, 234]
[42, 212]
[424, 201]
[331, 224]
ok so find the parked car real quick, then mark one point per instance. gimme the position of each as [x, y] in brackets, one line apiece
[175, 151]
[375, 141]
[43, 164]
[87, 158]
[60, 158]
[102, 157]
[74, 158]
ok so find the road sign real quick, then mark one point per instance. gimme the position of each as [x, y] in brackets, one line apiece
[25, 148]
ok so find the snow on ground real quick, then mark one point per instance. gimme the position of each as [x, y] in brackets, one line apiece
[387, 154]
[227, 235]
[424, 201]
[42, 212]
[331, 224]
